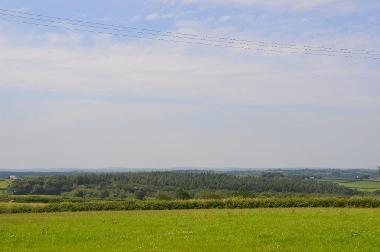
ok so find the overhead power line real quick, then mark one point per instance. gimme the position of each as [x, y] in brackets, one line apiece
[176, 41]
[152, 34]
[306, 50]
[201, 37]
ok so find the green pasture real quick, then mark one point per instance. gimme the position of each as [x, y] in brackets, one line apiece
[361, 185]
[194, 230]
[4, 183]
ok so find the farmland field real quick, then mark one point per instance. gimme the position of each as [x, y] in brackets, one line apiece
[361, 185]
[194, 230]
[4, 183]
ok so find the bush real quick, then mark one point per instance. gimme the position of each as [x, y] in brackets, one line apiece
[140, 195]
[162, 196]
[206, 194]
[377, 192]
[182, 194]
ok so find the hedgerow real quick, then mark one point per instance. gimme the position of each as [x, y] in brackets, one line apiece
[37, 199]
[236, 203]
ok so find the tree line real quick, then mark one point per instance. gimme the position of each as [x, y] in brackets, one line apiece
[179, 185]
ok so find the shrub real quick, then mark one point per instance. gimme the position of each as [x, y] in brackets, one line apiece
[162, 196]
[182, 194]
[206, 194]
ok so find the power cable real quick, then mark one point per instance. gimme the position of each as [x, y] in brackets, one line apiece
[94, 28]
[206, 37]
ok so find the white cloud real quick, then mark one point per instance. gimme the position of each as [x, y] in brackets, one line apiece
[159, 71]
[291, 4]
[160, 16]
[203, 107]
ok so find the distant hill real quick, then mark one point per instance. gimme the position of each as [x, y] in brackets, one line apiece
[307, 172]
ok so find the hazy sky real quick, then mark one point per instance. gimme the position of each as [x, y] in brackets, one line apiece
[71, 99]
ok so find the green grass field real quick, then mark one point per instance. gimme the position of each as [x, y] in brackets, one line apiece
[194, 230]
[361, 185]
[4, 183]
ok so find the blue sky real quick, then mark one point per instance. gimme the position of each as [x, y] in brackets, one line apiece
[72, 99]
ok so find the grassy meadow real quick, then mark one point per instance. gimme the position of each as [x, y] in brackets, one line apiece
[4, 183]
[194, 230]
[360, 185]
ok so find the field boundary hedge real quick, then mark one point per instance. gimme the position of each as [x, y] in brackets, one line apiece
[37, 199]
[196, 204]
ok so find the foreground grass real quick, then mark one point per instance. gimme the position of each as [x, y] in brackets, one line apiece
[194, 230]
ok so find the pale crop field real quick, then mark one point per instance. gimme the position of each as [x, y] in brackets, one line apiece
[194, 230]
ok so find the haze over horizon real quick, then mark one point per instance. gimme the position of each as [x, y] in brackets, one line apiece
[76, 99]
[143, 169]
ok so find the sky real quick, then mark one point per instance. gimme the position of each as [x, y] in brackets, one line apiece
[71, 99]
